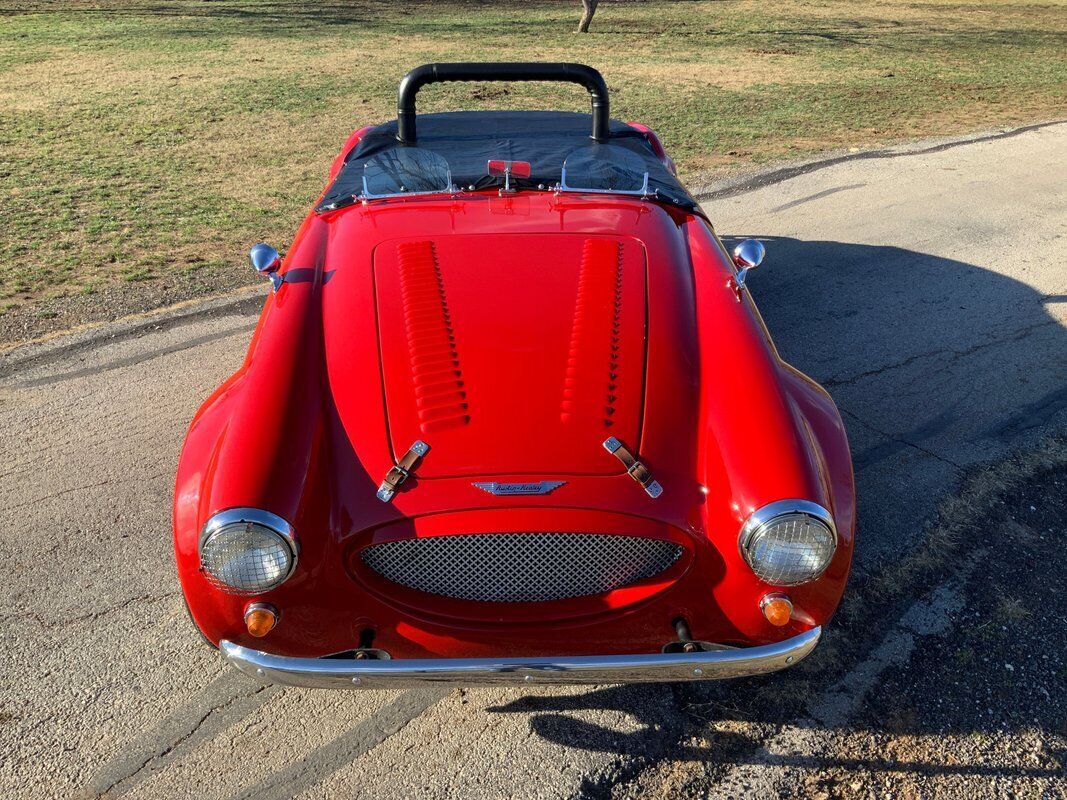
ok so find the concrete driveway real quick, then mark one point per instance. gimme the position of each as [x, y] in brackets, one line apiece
[927, 290]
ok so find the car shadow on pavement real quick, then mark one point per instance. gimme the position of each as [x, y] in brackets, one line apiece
[976, 697]
[937, 366]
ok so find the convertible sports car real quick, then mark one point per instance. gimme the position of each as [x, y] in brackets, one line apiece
[511, 415]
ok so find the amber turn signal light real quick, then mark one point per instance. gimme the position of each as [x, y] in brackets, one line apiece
[777, 608]
[260, 619]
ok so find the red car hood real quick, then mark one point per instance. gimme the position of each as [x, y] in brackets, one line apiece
[505, 352]
[514, 338]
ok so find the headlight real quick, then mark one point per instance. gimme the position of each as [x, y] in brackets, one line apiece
[247, 550]
[789, 542]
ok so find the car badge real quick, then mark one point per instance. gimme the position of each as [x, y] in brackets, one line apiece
[538, 487]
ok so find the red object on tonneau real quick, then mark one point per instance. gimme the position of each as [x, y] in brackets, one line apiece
[520, 169]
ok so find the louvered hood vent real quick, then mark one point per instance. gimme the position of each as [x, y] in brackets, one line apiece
[512, 354]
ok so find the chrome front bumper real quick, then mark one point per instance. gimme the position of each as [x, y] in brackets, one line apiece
[328, 673]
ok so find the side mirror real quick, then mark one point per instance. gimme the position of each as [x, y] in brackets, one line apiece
[747, 255]
[266, 261]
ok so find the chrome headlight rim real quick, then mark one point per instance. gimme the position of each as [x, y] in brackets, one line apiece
[256, 516]
[765, 515]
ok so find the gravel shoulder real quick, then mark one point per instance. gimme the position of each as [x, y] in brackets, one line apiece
[959, 693]
[980, 710]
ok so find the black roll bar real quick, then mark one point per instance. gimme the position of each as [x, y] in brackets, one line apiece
[501, 71]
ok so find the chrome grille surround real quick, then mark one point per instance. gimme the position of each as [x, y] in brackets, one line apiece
[520, 567]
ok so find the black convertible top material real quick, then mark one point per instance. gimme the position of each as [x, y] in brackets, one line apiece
[468, 139]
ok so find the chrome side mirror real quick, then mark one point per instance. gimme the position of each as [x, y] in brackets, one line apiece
[266, 261]
[747, 256]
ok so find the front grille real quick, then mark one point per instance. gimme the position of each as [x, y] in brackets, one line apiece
[520, 567]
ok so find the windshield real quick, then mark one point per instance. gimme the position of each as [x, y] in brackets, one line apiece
[405, 170]
[604, 168]
[595, 167]
[548, 151]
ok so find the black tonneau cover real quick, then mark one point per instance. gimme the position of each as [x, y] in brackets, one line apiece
[467, 140]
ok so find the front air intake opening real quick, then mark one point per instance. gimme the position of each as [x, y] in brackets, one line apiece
[521, 567]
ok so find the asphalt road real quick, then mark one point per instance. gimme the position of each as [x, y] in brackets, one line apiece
[927, 291]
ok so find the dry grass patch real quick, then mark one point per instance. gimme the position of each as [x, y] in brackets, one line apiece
[700, 72]
[143, 141]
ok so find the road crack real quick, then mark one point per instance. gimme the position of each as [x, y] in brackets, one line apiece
[177, 743]
[91, 616]
[900, 440]
[69, 490]
[1014, 336]
[227, 700]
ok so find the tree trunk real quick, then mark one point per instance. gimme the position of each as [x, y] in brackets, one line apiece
[588, 9]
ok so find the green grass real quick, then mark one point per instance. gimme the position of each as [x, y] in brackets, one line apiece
[144, 142]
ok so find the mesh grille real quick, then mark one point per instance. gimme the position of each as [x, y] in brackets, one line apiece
[520, 567]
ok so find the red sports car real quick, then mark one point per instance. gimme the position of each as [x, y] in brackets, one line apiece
[511, 415]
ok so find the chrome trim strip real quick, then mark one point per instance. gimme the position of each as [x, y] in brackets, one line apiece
[255, 515]
[325, 673]
[779, 508]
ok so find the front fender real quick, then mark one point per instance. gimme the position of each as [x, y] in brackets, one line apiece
[766, 433]
[255, 441]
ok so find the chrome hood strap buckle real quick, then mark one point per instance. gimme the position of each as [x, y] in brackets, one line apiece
[402, 471]
[636, 470]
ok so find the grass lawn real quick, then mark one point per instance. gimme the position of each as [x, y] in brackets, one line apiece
[145, 145]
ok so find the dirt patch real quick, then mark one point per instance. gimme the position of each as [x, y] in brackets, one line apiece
[706, 70]
[982, 710]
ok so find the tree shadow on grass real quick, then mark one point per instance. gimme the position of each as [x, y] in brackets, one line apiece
[270, 18]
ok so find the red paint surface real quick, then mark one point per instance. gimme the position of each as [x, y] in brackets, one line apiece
[521, 360]
[513, 335]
